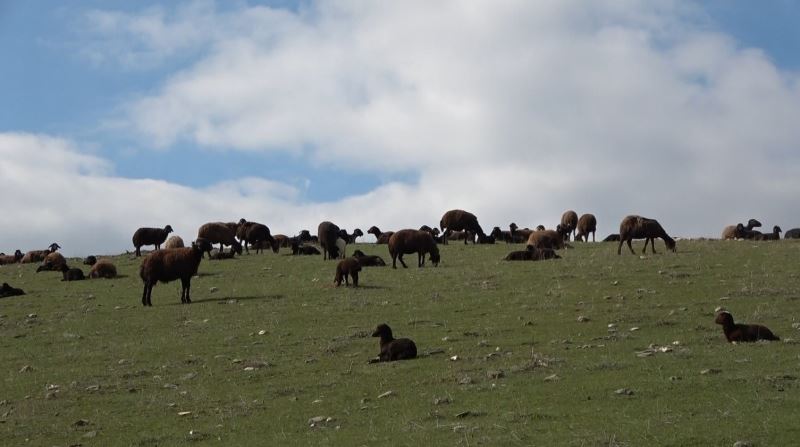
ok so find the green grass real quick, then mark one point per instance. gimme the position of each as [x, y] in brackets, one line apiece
[95, 354]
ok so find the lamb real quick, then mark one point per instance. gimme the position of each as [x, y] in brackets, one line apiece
[298, 249]
[174, 242]
[638, 227]
[169, 265]
[546, 239]
[219, 232]
[569, 222]
[460, 220]
[391, 348]
[774, 236]
[90, 260]
[150, 236]
[413, 241]
[347, 266]
[255, 234]
[794, 233]
[743, 332]
[368, 260]
[328, 234]
[532, 254]
[52, 262]
[103, 269]
[11, 259]
[7, 291]
[71, 274]
[735, 231]
[38, 255]
[586, 224]
[350, 238]
[380, 237]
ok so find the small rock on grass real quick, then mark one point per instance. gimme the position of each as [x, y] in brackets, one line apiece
[624, 392]
[743, 444]
[552, 378]
[386, 394]
[495, 374]
[583, 319]
[710, 371]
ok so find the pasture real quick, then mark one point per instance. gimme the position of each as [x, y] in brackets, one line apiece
[269, 344]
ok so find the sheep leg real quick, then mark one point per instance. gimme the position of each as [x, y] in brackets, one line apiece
[355, 279]
[400, 257]
[587, 237]
[186, 284]
[420, 259]
[148, 290]
[630, 247]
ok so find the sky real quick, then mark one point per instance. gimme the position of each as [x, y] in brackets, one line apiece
[118, 115]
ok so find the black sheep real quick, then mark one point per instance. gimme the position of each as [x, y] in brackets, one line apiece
[7, 291]
[743, 332]
[171, 264]
[150, 236]
[347, 267]
[391, 348]
[71, 274]
[369, 260]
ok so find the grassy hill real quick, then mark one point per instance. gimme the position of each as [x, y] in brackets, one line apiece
[269, 344]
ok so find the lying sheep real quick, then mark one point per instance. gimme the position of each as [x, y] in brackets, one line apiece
[368, 260]
[532, 254]
[52, 263]
[298, 249]
[11, 259]
[172, 264]
[71, 274]
[774, 236]
[794, 233]
[413, 241]
[735, 231]
[546, 239]
[7, 291]
[217, 255]
[103, 269]
[90, 260]
[347, 267]
[743, 332]
[380, 237]
[638, 227]
[460, 220]
[569, 222]
[613, 237]
[174, 242]
[38, 255]
[328, 234]
[150, 236]
[393, 348]
[219, 233]
[587, 223]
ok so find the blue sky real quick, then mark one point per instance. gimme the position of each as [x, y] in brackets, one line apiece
[393, 118]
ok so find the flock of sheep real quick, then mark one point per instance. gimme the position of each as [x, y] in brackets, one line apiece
[176, 261]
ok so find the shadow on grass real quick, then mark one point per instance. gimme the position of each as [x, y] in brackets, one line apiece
[237, 298]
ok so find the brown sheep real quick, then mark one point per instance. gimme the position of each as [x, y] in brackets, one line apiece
[743, 332]
[38, 255]
[283, 240]
[345, 267]
[543, 239]
[52, 262]
[368, 260]
[393, 348]
[532, 254]
[735, 231]
[638, 227]
[328, 234]
[11, 259]
[586, 224]
[174, 242]
[172, 264]
[413, 241]
[6, 291]
[569, 222]
[350, 238]
[433, 231]
[380, 237]
[257, 234]
[459, 220]
[219, 233]
[103, 269]
[150, 236]
[774, 236]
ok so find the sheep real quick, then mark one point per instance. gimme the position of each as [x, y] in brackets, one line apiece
[350, 238]
[11, 259]
[38, 255]
[221, 255]
[393, 348]
[52, 262]
[638, 227]
[501, 235]
[174, 242]
[774, 236]
[169, 265]
[219, 232]
[256, 233]
[7, 291]
[380, 237]
[459, 220]
[543, 239]
[103, 269]
[413, 241]
[345, 267]
[90, 260]
[298, 249]
[613, 237]
[794, 233]
[150, 236]
[587, 223]
[520, 235]
[71, 274]
[433, 231]
[328, 234]
[283, 240]
[368, 260]
[743, 332]
[305, 236]
[459, 236]
[735, 231]
[569, 222]
[532, 254]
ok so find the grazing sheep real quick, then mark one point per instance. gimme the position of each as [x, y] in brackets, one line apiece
[38, 255]
[255, 234]
[298, 249]
[380, 237]
[774, 236]
[328, 234]
[613, 237]
[368, 260]
[569, 222]
[52, 263]
[172, 264]
[71, 274]
[532, 254]
[393, 348]
[638, 227]
[219, 233]
[743, 332]
[413, 241]
[350, 238]
[586, 224]
[794, 233]
[460, 220]
[90, 260]
[345, 267]
[174, 242]
[103, 269]
[735, 231]
[150, 236]
[544, 239]
[7, 291]
[11, 259]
